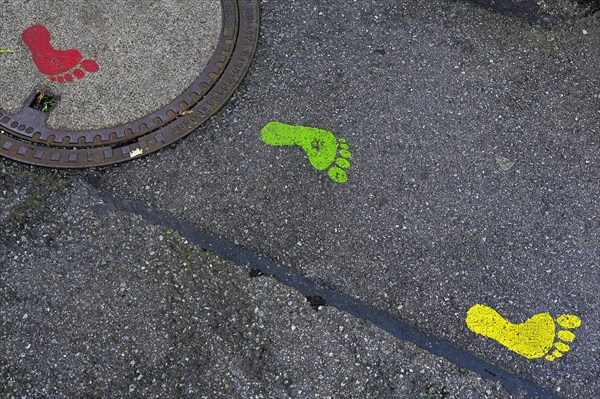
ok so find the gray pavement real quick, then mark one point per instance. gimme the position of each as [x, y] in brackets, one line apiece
[99, 303]
[148, 53]
[473, 180]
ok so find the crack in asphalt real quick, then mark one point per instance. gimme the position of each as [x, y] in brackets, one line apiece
[260, 265]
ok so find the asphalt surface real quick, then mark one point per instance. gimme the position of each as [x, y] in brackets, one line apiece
[99, 303]
[473, 179]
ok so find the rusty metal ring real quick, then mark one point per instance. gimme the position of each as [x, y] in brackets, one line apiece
[25, 137]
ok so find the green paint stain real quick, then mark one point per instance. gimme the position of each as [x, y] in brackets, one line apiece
[343, 163]
[320, 146]
[6, 51]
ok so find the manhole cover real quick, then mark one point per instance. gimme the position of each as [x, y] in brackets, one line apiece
[33, 135]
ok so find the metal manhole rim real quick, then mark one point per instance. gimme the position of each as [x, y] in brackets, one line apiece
[24, 137]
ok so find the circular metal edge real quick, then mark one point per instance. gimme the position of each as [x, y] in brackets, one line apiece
[24, 137]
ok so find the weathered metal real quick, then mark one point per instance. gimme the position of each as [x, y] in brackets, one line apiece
[25, 137]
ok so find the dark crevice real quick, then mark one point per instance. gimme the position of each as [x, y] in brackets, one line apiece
[43, 101]
[490, 373]
[316, 302]
[230, 251]
[256, 273]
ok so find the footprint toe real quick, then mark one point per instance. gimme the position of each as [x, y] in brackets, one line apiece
[346, 154]
[561, 346]
[342, 163]
[565, 321]
[78, 73]
[338, 175]
[568, 321]
[554, 355]
[90, 65]
[567, 336]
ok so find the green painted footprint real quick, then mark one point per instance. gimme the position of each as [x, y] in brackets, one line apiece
[320, 145]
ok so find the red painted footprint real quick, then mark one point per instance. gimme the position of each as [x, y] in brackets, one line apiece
[58, 65]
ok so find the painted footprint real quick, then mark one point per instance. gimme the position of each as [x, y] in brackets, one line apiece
[58, 65]
[534, 338]
[323, 149]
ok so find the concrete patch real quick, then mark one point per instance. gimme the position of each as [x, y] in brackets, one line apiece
[148, 54]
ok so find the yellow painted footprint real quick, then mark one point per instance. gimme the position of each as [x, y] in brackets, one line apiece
[534, 338]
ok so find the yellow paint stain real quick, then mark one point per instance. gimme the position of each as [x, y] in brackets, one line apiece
[534, 338]
[566, 336]
[6, 51]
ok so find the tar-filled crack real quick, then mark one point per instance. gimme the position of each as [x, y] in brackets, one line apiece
[315, 294]
[491, 373]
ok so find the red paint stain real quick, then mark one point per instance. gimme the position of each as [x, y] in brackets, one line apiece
[58, 65]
